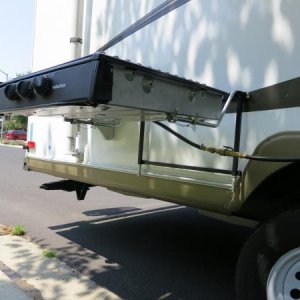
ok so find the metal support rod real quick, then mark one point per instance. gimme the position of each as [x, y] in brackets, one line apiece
[141, 143]
[237, 134]
[216, 123]
[161, 10]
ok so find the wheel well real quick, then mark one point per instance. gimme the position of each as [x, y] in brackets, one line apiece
[277, 193]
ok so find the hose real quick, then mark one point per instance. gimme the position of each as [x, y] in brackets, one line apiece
[229, 152]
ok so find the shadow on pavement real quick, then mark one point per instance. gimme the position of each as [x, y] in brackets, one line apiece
[167, 254]
[110, 211]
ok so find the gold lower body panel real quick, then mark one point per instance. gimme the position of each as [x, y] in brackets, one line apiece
[180, 192]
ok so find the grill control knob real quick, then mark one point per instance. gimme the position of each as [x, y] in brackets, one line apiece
[24, 89]
[10, 92]
[42, 85]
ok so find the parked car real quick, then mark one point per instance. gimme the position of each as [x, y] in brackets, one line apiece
[16, 135]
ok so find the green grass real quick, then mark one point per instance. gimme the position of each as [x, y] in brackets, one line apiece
[49, 253]
[18, 230]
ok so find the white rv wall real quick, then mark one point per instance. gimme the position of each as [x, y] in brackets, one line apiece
[232, 44]
[228, 44]
[56, 22]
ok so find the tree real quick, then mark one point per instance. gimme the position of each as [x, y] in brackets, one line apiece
[17, 122]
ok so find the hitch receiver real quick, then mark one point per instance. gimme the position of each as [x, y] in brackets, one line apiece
[68, 186]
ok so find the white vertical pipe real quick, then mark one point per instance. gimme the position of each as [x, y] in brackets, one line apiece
[87, 24]
[76, 34]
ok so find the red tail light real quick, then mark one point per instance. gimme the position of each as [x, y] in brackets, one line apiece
[30, 145]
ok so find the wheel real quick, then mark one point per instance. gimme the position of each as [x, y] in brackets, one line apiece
[269, 263]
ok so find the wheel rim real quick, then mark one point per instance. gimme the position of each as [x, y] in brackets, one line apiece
[284, 279]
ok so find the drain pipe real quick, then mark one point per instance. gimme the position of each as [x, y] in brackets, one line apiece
[87, 25]
[76, 34]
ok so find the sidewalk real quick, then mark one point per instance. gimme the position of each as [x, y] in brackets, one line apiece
[26, 274]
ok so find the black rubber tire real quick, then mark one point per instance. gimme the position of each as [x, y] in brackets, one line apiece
[265, 246]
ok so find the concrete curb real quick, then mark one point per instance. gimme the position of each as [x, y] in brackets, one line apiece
[26, 274]
[14, 146]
